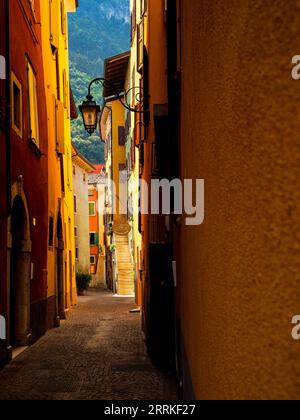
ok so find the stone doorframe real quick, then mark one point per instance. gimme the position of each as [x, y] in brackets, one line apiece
[23, 335]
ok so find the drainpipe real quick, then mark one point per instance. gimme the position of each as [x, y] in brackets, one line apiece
[8, 110]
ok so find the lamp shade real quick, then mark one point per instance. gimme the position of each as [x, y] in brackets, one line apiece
[90, 113]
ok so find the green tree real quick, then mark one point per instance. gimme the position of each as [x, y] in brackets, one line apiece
[99, 29]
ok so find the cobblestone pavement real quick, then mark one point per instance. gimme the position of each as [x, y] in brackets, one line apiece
[97, 354]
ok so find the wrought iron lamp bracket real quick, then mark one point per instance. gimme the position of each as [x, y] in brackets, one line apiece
[123, 98]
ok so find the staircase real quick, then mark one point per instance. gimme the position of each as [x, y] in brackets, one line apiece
[124, 267]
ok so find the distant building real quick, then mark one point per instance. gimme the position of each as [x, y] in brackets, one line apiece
[120, 268]
[81, 168]
[96, 202]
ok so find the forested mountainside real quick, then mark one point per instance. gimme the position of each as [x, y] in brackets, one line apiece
[99, 29]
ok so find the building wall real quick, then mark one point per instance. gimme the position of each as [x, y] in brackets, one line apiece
[101, 275]
[94, 226]
[240, 132]
[101, 210]
[93, 199]
[60, 188]
[27, 161]
[82, 241]
[155, 85]
[118, 158]
[3, 190]
[97, 226]
[132, 152]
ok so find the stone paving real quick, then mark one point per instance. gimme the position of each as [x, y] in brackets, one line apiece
[97, 354]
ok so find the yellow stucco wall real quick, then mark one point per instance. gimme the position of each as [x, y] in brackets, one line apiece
[118, 156]
[240, 132]
[133, 80]
[54, 181]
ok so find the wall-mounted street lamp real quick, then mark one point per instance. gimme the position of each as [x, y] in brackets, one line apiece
[91, 111]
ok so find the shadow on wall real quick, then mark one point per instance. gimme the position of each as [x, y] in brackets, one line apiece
[99, 279]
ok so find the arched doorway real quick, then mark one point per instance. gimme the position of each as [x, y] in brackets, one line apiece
[60, 301]
[19, 296]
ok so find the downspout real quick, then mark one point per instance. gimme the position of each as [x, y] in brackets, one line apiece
[8, 107]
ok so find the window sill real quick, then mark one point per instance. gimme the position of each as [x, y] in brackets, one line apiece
[35, 148]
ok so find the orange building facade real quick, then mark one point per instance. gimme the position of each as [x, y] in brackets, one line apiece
[239, 283]
[96, 219]
[28, 296]
[24, 226]
[152, 153]
[231, 280]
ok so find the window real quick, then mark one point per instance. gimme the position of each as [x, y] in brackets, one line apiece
[32, 5]
[62, 174]
[133, 20]
[140, 47]
[75, 204]
[16, 97]
[92, 209]
[143, 6]
[77, 254]
[57, 76]
[54, 23]
[17, 106]
[68, 169]
[93, 259]
[63, 17]
[74, 170]
[33, 121]
[76, 231]
[65, 89]
[93, 238]
[51, 230]
[59, 126]
[121, 136]
[84, 177]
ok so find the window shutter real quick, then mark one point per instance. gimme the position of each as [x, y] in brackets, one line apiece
[60, 127]
[140, 47]
[65, 88]
[143, 5]
[32, 106]
[54, 23]
[121, 135]
[63, 17]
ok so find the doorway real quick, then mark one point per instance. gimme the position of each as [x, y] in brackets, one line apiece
[60, 301]
[19, 299]
[71, 277]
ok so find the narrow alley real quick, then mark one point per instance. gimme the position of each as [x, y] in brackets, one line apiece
[97, 354]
